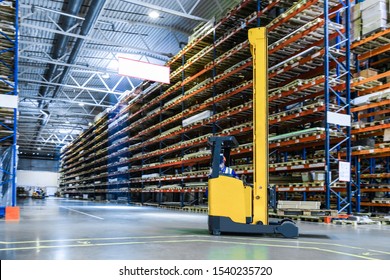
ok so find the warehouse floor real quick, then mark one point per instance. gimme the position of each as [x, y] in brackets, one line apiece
[80, 230]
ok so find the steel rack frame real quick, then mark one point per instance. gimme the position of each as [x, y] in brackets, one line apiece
[342, 74]
[370, 179]
[11, 84]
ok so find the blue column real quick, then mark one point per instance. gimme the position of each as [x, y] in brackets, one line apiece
[15, 76]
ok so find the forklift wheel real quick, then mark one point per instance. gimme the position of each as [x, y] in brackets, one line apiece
[215, 232]
[288, 229]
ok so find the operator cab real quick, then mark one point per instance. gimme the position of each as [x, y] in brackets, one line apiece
[221, 147]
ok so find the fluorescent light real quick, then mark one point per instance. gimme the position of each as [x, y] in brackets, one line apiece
[154, 14]
[81, 104]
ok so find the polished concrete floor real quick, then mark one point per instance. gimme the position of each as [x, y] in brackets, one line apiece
[60, 229]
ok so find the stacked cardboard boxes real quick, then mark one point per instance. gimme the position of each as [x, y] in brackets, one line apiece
[374, 14]
[356, 22]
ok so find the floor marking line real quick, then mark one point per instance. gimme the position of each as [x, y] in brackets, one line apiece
[187, 241]
[98, 238]
[93, 216]
[293, 241]
[302, 247]
[377, 251]
[301, 242]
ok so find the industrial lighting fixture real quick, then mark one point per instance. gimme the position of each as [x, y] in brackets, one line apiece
[81, 104]
[154, 14]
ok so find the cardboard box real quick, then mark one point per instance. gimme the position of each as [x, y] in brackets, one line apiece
[371, 27]
[306, 177]
[356, 12]
[367, 73]
[318, 175]
[368, 3]
[374, 16]
[378, 9]
[356, 29]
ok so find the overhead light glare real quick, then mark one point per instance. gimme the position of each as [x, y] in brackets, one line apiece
[81, 104]
[154, 14]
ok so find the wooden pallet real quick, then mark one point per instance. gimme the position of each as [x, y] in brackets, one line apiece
[195, 209]
[308, 212]
[354, 223]
[382, 220]
[317, 219]
[385, 201]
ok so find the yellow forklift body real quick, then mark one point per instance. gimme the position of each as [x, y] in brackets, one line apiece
[228, 197]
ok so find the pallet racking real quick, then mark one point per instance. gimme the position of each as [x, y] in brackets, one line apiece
[152, 133]
[8, 88]
[371, 122]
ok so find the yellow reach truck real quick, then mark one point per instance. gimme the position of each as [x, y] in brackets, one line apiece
[235, 207]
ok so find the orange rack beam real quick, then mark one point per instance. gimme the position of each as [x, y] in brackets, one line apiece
[370, 106]
[370, 38]
[375, 204]
[370, 128]
[374, 52]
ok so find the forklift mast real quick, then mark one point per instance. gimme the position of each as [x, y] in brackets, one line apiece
[259, 49]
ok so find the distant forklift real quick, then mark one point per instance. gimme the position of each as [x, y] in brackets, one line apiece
[39, 193]
[235, 207]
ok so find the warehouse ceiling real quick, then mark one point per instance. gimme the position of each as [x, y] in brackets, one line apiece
[68, 59]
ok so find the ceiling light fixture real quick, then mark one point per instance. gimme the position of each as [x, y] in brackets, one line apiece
[154, 14]
[81, 104]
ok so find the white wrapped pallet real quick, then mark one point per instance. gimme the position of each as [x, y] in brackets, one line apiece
[374, 16]
[201, 116]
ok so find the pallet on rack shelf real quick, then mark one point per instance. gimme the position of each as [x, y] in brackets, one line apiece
[382, 201]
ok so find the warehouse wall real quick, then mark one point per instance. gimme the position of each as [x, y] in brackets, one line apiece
[33, 179]
[38, 165]
[34, 173]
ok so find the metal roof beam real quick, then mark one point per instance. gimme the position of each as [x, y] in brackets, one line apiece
[57, 122]
[35, 8]
[117, 49]
[95, 104]
[109, 21]
[46, 61]
[165, 10]
[69, 86]
[91, 39]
